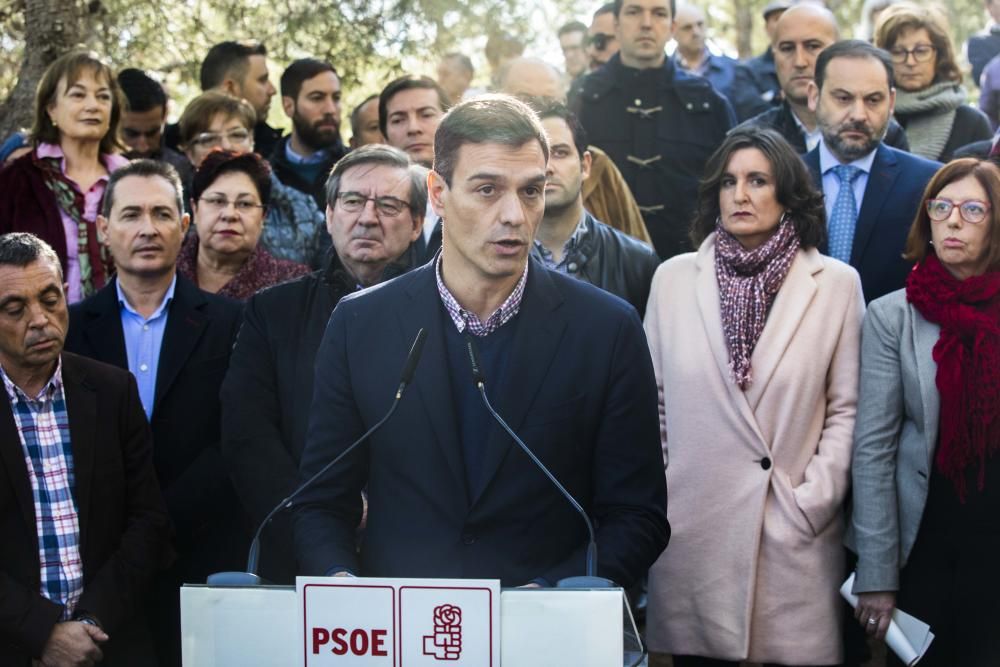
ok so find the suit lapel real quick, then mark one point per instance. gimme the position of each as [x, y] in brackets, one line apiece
[925, 336]
[103, 328]
[432, 381]
[12, 457]
[539, 329]
[186, 323]
[883, 176]
[790, 306]
[81, 405]
[707, 296]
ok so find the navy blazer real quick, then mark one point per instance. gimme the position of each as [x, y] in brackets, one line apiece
[581, 393]
[893, 194]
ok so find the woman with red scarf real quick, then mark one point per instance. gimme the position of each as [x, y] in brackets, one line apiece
[755, 341]
[926, 513]
[56, 191]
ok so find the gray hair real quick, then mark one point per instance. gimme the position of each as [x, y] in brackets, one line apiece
[21, 249]
[144, 169]
[380, 154]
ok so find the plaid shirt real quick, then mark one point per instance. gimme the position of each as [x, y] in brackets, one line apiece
[464, 319]
[569, 248]
[43, 424]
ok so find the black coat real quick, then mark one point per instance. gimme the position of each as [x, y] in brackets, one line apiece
[755, 87]
[659, 126]
[287, 174]
[780, 118]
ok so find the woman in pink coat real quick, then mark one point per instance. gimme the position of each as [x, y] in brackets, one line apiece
[755, 343]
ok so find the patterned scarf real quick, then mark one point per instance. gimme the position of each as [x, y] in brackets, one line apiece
[748, 282]
[967, 355]
[92, 257]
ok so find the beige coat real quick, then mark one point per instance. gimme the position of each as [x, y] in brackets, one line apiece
[756, 479]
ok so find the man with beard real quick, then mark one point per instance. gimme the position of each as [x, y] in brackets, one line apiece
[310, 96]
[571, 240]
[871, 189]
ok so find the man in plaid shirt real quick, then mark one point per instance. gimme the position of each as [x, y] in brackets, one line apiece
[82, 522]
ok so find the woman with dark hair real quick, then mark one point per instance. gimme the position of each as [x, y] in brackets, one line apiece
[930, 100]
[229, 196]
[755, 343]
[926, 513]
[56, 190]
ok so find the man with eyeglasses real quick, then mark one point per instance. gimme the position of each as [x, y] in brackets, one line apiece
[871, 189]
[658, 124]
[376, 201]
[176, 340]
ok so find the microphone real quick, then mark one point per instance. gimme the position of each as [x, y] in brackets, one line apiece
[591, 580]
[250, 577]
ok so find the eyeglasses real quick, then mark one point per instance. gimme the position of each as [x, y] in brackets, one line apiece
[972, 211]
[352, 202]
[221, 203]
[213, 139]
[921, 53]
[600, 40]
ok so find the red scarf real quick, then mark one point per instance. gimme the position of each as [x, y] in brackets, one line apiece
[968, 364]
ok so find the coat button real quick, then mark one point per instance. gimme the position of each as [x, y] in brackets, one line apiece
[689, 106]
[468, 538]
[765, 463]
[572, 267]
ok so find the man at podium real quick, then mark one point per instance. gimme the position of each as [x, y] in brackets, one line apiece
[565, 364]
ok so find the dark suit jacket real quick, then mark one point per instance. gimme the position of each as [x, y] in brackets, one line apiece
[124, 529]
[201, 329]
[893, 194]
[580, 391]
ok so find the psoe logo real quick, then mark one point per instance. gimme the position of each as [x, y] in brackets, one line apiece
[446, 641]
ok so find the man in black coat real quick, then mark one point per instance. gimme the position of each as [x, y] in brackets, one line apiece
[267, 394]
[176, 341]
[658, 124]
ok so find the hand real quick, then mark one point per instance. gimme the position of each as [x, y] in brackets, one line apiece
[533, 584]
[73, 644]
[877, 606]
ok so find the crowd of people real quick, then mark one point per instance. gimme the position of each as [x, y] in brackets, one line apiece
[771, 287]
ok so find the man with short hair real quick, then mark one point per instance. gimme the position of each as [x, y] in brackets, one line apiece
[565, 363]
[409, 112]
[176, 340]
[310, 96]
[800, 36]
[659, 125]
[531, 77]
[572, 40]
[82, 522]
[601, 40]
[376, 206]
[454, 75]
[143, 117]
[872, 190]
[364, 123]
[693, 55]
[571, 240]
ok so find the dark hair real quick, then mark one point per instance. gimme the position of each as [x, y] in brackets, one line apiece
[356, 115]
[852, 48]
[548, 108]
[381, 154]
[21, 249]
[463, 60]
[572, 26]
[300, 71]
[143, 169]
[898, 18]
[793, 185]
[69, 67]
[606, 8]
[500, 44]
[617, 8]
[220, 162]
[500, 119]
[200, 111]
[142, 92]
[228, 58]
[986, 172]
[408, 82]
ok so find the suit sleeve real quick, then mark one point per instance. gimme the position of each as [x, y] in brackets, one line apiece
[262, 467]
[826, 477]
[326, 516]
[26, 617]
[875, 514]
[629, 503]
[114, 591]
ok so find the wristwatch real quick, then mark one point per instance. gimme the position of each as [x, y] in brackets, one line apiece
[83, 616]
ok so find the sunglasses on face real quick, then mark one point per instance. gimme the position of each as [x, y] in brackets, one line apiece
[600, 40]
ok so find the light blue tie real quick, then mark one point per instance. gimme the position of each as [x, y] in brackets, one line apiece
[844, 217]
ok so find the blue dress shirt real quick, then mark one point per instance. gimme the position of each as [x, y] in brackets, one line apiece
[143, 340]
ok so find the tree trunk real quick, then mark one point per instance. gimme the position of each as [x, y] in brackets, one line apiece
[744, 28]
[51, 28]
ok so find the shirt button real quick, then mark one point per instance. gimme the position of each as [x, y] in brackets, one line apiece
[765, 463]
[468, 538]
[143, 368]
[145, 327]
